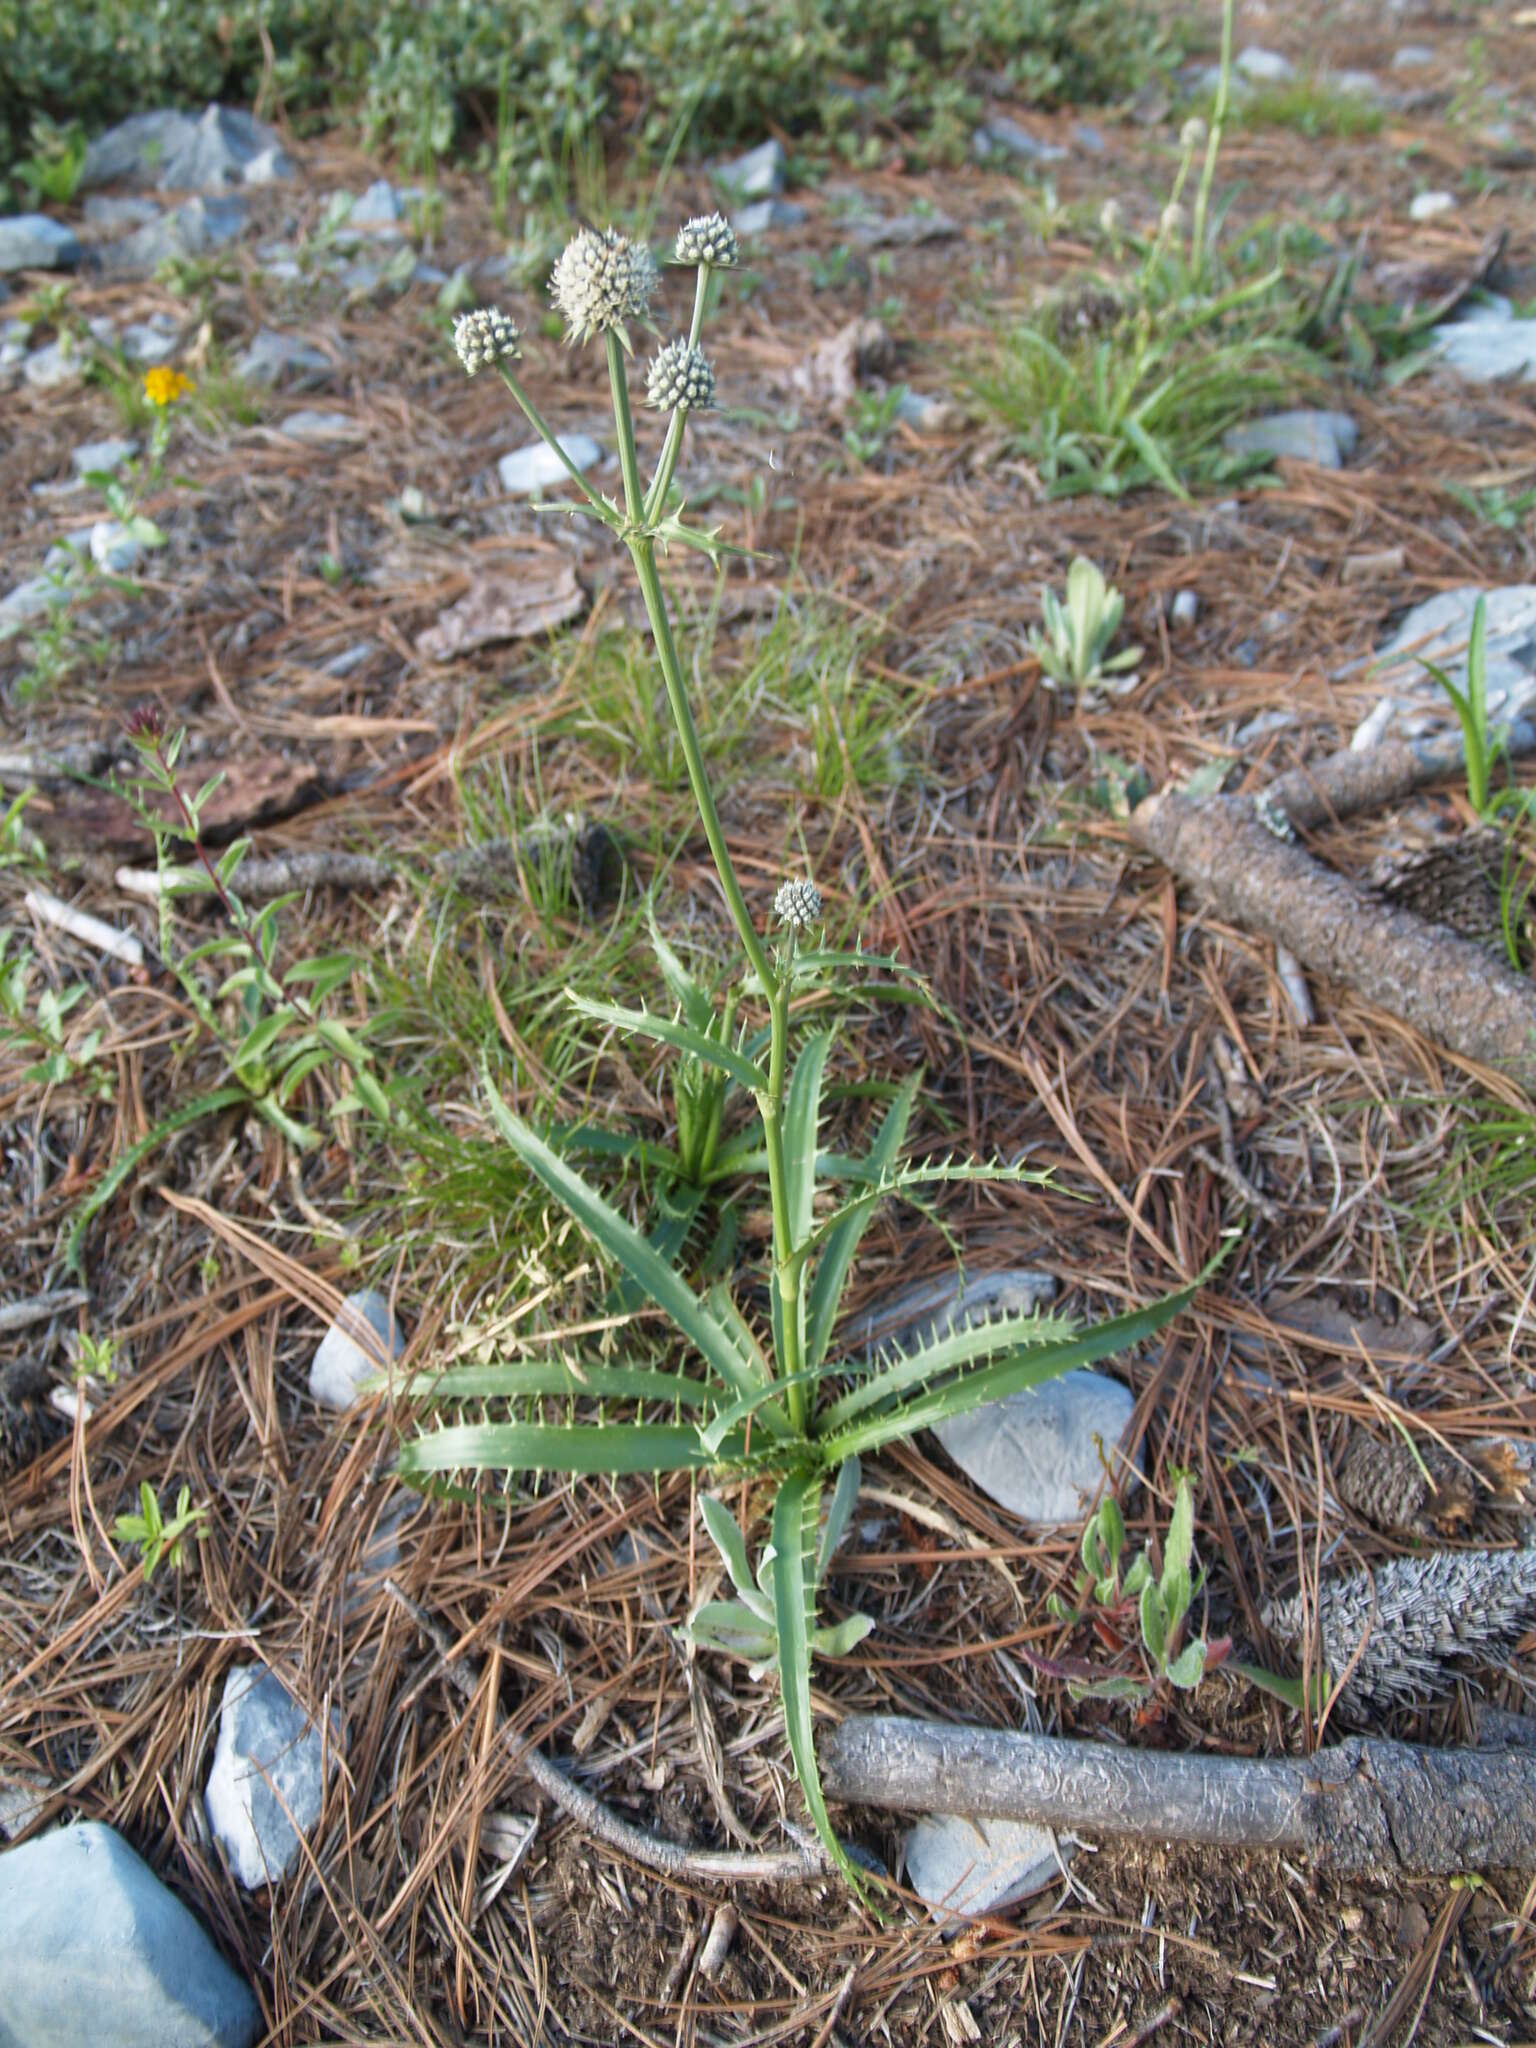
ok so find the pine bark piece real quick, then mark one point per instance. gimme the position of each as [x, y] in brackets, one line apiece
[1346, 784]
[1377, 1808]
[1449, 989]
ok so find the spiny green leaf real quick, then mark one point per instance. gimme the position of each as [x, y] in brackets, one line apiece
[668, 1031]
[842, 1242]
[577, 1447]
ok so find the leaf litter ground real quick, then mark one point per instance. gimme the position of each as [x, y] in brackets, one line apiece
[890, 733]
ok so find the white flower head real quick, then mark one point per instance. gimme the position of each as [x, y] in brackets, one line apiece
[680, 379]
[798, 904]
[1173, 220]
[708, 238]
[484, 337]
[1111, 215]
[600, 281]
[1192, 134]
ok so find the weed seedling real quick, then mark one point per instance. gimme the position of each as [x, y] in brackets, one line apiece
[153, 1535]
[1073, 652]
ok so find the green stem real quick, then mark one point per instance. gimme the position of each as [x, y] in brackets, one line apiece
[788, 1271]
[661, 483]
[634, 502]
[547, 434]
[1213, 145]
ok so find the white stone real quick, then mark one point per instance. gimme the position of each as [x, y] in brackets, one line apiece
[61, 362]
[113, 547]
[321, 426]
[957, 1865]
[273, 358]
[536, 467]
[1437, 630]
[151, 341]
[379, 207]
[1037, 1453]
[1488, 345]
[1265, 67]
[26, 601]
[364, 1339]
[767, 214]
[998, 135]
[102, 455]
[1413, 57]
[31, 241]
[1323, 438]
[266, 1786]
[1185, 608]
[179, 152]
[192, 229]
[1430, 205]
[96, 1949]
[757, 175]
[936, 1306]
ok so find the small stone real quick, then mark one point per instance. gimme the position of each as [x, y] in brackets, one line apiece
[379, 207]
[191, 230]
[957, 1865]
[28, 600]
[998, 135]
[31, 241]
[178, 152]
[929, 415]
[1438, 630]
[1035, 1453]
[1413, 57]
[269, 1757]
[363, 1340]
[536, 467]
[98, 1949]
[1488, 346]
[60, 362]
[113, 547]
[274, 358]
[925, 1311]
[20, 1805]
[1323, 438]
[1265, 67]
[109, 210]
[1430, 205]
[1355, 85]
[151, 341]
[1185, 608]
[759, 174]
[282, 270]
[1086, 136]
[768, 214]
[908, 230]
[322, 426]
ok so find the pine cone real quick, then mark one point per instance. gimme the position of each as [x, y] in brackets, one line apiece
[1385, 1483]
[1409, 1621]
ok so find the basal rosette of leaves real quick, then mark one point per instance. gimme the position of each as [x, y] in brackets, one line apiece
[783, 1397]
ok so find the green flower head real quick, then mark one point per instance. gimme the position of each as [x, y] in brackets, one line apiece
[680, 379]
[600, 281]
[484, 337]
[708, 238]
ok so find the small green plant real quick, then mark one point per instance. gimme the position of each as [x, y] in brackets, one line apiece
[1509, 511]
[51, 174]
[39, 1028]
[1073, 652]
[871, 420]
[1159, 1601]
[1311, 109]
[1482, 745]
[96, 1358]
[155, 1537]
[780, 1404]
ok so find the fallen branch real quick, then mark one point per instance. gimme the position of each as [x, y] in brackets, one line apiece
[38, 1308]
[1361, 1806]
[708, 1866]
[1453, 991]
[1346, 784]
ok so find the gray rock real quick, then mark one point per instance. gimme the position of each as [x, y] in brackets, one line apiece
[20, 1805]
[31, 241]
[958, 1865]
[177, 152]
[97, 1949]
[321, 426]
[274, 358]
[767, 214]
[363, 1340]
[1185, 608]
[1355, 85]
[927, 414]
[1034, 1453]
[267, 1766]
[113, 547]
[109, 210]
[907, 230]
[1000, 136]
[1323, 438]
[1265, 67]
[194, 229]
[379, 207]
[1086, 136]
[1488, 345]
[60, 362]
[1437, 631]
[536, 467]
[151, 341]
[1430, 205]
[1413, 57]
[28, 600]
[757, 175]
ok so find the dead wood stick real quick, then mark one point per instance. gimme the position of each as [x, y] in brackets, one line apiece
[21, 1315]
[1455, 993]
[1345, 784]
[672, 1859]
[1361, 1806]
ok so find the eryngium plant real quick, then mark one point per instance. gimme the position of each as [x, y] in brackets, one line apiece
[785, 1404]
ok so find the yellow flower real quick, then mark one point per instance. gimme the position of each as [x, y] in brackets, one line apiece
[164, 387]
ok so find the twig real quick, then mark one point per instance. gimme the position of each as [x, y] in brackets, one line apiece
[1345, 785]
[1360, 1806]
[704, 1866]
[90, 931]
[260, 880]
[1149, 2027]
[1232, 1175]
[21, 1315]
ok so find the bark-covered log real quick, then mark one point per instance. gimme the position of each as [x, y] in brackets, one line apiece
[1457, 994]
[1379, 1807]
[1345, 784]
